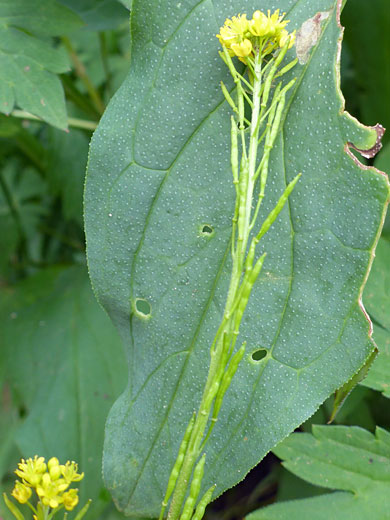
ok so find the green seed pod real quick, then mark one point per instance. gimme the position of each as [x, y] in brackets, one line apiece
[277, 209]
[228, 97]
[203, 503]
[83, 511]
[177, 466]
[288, 67]
[194, 489]
[234, 149]
[13, 508]
[227, 378]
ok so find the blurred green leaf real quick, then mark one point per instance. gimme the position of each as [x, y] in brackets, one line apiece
[98, 15]
[382, 162]
[377, 302]
[127, 3]
[66, 160]
[340, 458]
[43, 17]
[376, 296]
[65, 365]
[367, 34]
[21, 207]
[378, 377]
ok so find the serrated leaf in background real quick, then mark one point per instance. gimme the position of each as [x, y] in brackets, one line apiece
[159, 170]
[64, 364]
[339, 458]
[28, 63]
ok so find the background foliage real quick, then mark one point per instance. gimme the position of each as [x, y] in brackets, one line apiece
[62, 364]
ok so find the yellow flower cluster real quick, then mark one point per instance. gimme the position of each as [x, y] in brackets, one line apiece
[242, 36]
[50, 482]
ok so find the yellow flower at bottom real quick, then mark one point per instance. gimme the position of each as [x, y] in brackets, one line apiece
[70, 499]
[50, 492]
[243, 49]
[21, 492]
[31, 470]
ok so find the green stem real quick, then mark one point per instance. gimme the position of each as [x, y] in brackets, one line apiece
[245, 269]
[218, 353]
[72, 121]
[82, 74]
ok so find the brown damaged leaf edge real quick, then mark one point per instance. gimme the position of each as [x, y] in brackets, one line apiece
[369, 154]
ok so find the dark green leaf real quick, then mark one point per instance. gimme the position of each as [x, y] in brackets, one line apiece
[21, 207]
[377, 302]
[340, 458]
[368, 38]
[66, 161]
[43, 17]
[158, 172]
[98, 15]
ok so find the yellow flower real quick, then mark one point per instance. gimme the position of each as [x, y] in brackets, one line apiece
[54, 468]
[267, 26]
[242, 49]
[31, 471]
[69, 472]
[70, 499]
[50, 492]
[233, 31]
[284, 36]
[277, 21]
[21, 492]
[260, 24]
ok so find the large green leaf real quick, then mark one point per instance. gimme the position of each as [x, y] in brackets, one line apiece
[158, 172]
[64, 363]
[28, 64]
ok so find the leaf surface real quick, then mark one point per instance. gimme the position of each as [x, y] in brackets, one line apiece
[341, 458]
[158, 172]
[64, 363]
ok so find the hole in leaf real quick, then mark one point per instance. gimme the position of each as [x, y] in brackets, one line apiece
[206, 230]
[259, 354]
[143, 308]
